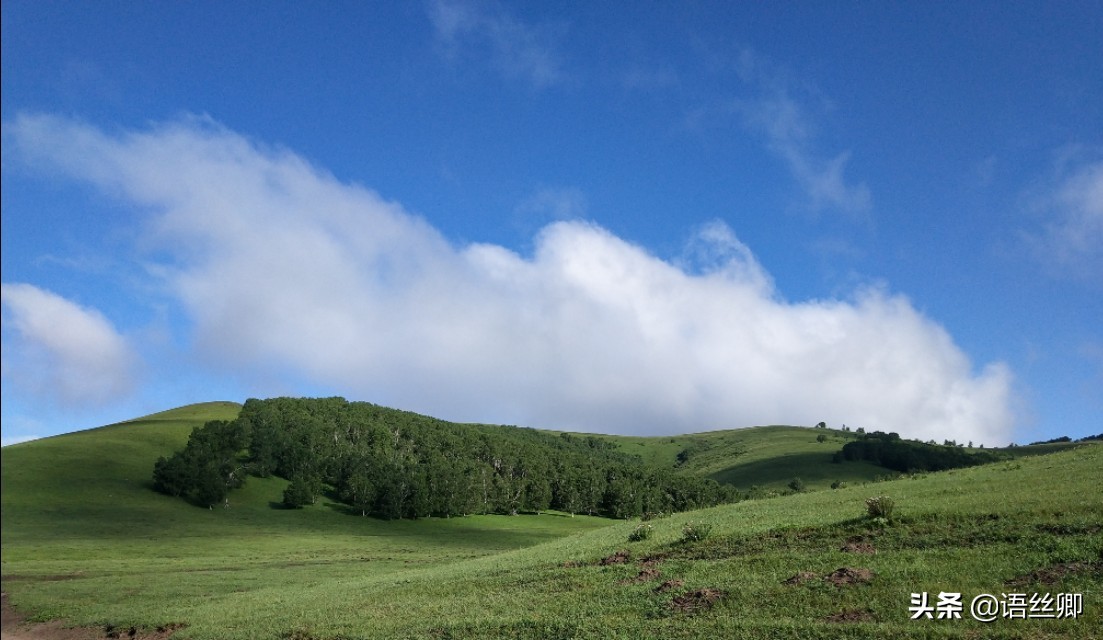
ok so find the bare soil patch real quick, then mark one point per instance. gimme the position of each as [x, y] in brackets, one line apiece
[645, 575]
[13, 626]
[619, 557]
[696, 600]
[1055, 573]
[802, 577]
[669, 585]
[652, 560]
[858, 547]
[845, 576]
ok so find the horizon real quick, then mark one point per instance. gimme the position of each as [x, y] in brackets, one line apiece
[704, 218]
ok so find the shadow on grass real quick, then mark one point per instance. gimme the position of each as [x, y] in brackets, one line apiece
[812, 466]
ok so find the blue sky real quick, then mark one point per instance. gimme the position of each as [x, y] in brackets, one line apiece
[647, 218]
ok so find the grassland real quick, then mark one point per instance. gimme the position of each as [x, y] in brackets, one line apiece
[767, 458]
[84, 539]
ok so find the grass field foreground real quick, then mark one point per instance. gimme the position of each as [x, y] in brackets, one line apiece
[85, 540]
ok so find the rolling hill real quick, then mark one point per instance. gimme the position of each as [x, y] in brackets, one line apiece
[86, 540]
[768, 457]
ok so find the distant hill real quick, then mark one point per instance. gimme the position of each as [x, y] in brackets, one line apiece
[398, 464]
[97, 476]
[767, 457]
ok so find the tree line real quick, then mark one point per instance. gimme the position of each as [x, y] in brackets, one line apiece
[397, 464]
[906, 456]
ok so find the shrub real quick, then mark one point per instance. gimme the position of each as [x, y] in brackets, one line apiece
[696, 532]
[796, 484]
[641, 532]
[838, 484]
[880, 507]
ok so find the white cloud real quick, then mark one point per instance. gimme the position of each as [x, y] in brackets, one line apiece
[61, 350]
[783, 120]
[785, 126]
[1070, 240]
[516, 48]
[283, 268]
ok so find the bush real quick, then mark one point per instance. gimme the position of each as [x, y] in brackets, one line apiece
[641, 532]
[838, 484]
[300, 492]
[696, 532]
[797, 485]
[880, 507]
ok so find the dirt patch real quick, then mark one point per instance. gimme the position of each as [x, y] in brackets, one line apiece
[651, 561]
[851, 615]
[845, 576]
[1055, 573]
[802, 577]
[130, 632]
[696, 600]
[619, 557]
[670, 585]
[14, 626]
[858, 547]
[647, 574]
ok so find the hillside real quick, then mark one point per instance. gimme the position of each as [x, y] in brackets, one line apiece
[87, 540]
[398, 464]
[765, 460]
[767, 457]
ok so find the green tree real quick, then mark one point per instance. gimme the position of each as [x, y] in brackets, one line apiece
[302, 490]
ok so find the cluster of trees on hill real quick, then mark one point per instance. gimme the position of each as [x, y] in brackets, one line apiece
[890, 451]
[1063, 439]
[397, 464]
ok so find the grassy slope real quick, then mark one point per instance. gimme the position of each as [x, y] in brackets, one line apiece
[767, 457]
[96, 482]
[81, 506]
[770, 457]
[77, 510]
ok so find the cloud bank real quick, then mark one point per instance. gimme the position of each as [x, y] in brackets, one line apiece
[61, 351]
[281, 267]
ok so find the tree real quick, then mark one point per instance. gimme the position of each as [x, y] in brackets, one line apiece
[397, 464]
[359, 491]
[171, 476]
[208, 467]
[301, 491]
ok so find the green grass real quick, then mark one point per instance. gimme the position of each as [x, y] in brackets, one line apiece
[81, 519]
[90, 543]
[764, 457]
